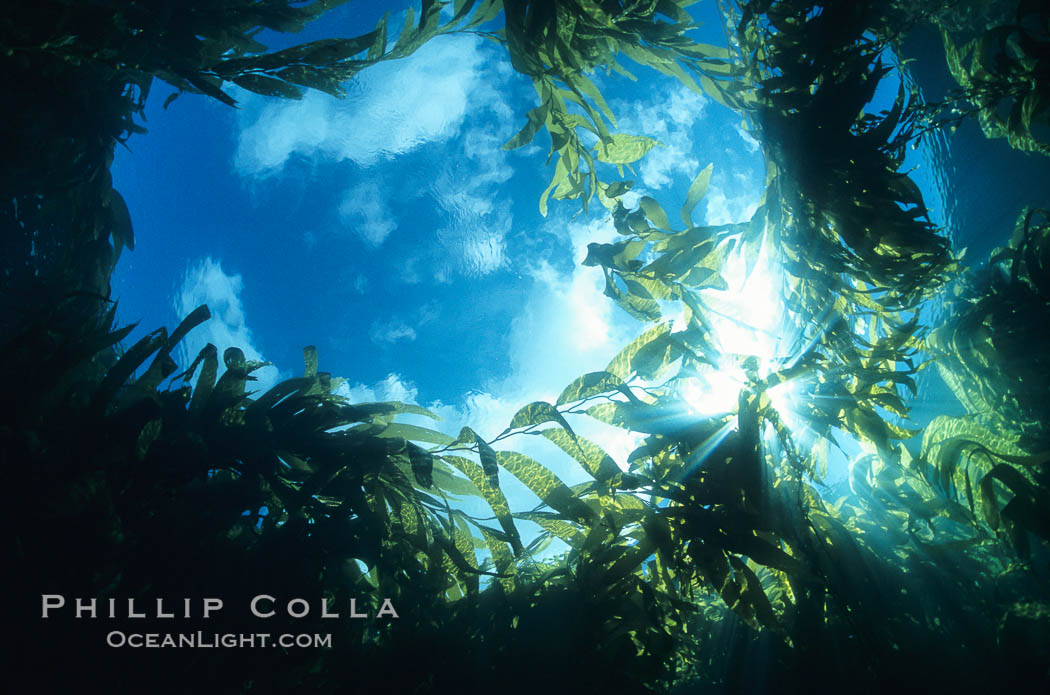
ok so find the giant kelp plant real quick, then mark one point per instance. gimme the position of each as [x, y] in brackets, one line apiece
[712, 560]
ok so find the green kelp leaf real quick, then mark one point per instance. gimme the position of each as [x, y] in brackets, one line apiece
[314, 78]
[968, 391]
[452, 484]
[705, 278]
[536, 118]
[658, 532]
[597, 124]
[309, 361]
[466, 542]
[592, 384]
[1029, 508]
[238, 373]
[589, 455]
[623, 148]
[536, 414]
[584, 84]
[503, 560]
[233, 358]
[192, 320]
[655, 213]
[396, 408]
[293, 462]
[378, 48]
[945, 435]
[552, 491]
[990, 501]
[160, 369]
[620, 255]
[268, 86]
[717, 91]
[627, 561]
[206, 381]
[753, 593]
[163, 365]
[279, 392]
[407, 39]
[679, 263]
[186, 375]
[429, 18]
[122, 230]
[150, 432]
[631, 416]
[463, 523]
[554, 525]
[618, 188]
[691, 238]
[460, 9]
[703, 51]
[131, 360]
[210, 85]
[488, 11]
[416, 433]
[641, 308]
[314, 54]
[422, 465]
[485, 453]
[764, 553]
[651, 288]
[697, 190]
[655, 357]
[624, 364]
[493, 496]
[489, 461]
[561, 181]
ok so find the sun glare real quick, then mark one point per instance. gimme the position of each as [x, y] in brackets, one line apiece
[746, 316]
[713, 392]
[747, 321]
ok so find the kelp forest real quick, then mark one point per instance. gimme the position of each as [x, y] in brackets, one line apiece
[712, 559]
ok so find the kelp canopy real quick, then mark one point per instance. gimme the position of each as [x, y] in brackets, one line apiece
[709, 561]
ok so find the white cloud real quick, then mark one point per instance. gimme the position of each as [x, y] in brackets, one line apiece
[670, 121]
[391, 331]
[749, 142]
[392, 388]
[568, 326]
[365, 211]
[428, 312]
[207, 283]
[439, 94]
[723, 209]
[392, 108]
[409, 271]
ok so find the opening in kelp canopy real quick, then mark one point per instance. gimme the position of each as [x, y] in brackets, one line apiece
[720, 540]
